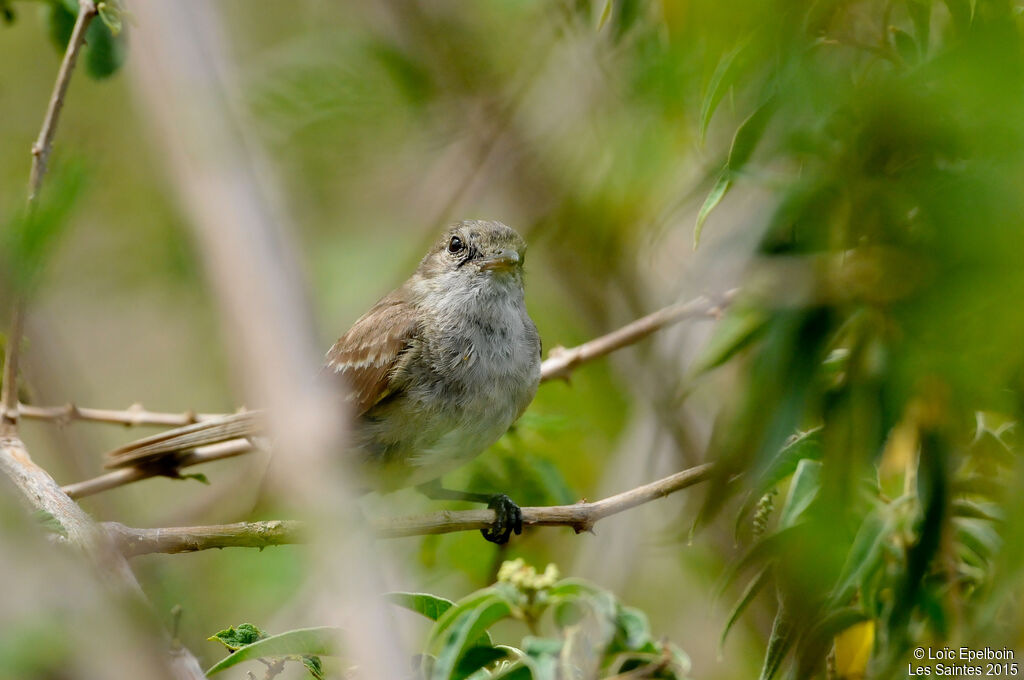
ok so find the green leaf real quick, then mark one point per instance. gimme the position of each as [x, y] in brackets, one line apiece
[749, 593]
[715, 197]
[782, 636]
[802, 491]
[864, 557]
[764, 551]
[921, 14]
[471, 601]
[475, 658]
[236, 638]
[110, 14]
[803, 445]
[301, 642]
[105, 53]
[633, 626]
[30, 237]
[748, 134]
[60, 21]
[740, 327]
[468, 625]
[197, 476]
[315, 666]
[721, 80]
[973, 510]
[428, 605]
[905, 45]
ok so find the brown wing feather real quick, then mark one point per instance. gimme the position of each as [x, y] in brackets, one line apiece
[366, 357]
[370, 353]
[164, 445]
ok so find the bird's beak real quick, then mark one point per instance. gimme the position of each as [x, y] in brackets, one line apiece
[506, 260]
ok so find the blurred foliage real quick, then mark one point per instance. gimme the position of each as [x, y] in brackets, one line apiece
[882, 316]
[863, 392]
[590, 633]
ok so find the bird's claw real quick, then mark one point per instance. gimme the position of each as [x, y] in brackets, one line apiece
[509, 519]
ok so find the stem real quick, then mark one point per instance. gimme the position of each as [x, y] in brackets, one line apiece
[581, 517]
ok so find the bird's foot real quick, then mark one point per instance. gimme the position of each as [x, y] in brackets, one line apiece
[509, 519]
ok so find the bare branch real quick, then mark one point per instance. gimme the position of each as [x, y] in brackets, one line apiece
[133, 416]
[44, 143]
[559, 364]
[36, 486]
[581, 517]
[40, 155]
[9, 397]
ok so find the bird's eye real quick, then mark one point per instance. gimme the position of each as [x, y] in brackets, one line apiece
[456, 245]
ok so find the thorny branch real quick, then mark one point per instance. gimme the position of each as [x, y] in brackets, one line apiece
[36, 486]
[40, 156]
[581, 517]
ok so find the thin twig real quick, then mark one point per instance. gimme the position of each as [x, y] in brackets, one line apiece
[35, 485]
[133, 416]
[40, 155]
[44, 143]
[123, 476]
[581, 517]
[9, 399]
[559, 364]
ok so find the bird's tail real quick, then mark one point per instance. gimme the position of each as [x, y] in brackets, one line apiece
[158, 448]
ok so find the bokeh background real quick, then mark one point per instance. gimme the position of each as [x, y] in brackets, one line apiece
[855, 167]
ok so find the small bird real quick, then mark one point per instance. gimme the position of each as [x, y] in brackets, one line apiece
[436, 372]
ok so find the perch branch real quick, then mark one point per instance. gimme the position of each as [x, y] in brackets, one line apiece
[581, 517]
[559, 364]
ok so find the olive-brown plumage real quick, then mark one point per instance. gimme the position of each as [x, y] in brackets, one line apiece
[436, 371]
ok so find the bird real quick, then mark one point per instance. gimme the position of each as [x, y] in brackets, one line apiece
[435, 373]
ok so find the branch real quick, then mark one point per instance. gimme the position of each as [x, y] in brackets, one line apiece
[36, 486]
[123, 476]
[9, 406]
[559, 364]
[44, 143]
[581, 517]
[40, 155]
[133, 416]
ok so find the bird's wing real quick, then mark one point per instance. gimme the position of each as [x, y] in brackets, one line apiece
[161, 447]
[367, 357]
[370, 356]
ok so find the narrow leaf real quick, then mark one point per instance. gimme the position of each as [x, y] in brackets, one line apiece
[749, 593]
[721, 80]
[428, 605]
[710, 203]
[864, 557]
[782, 637]
[302, 642]
[468, 626]
[802, 491]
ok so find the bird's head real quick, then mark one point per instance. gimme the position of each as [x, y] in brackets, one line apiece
[476, 251]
